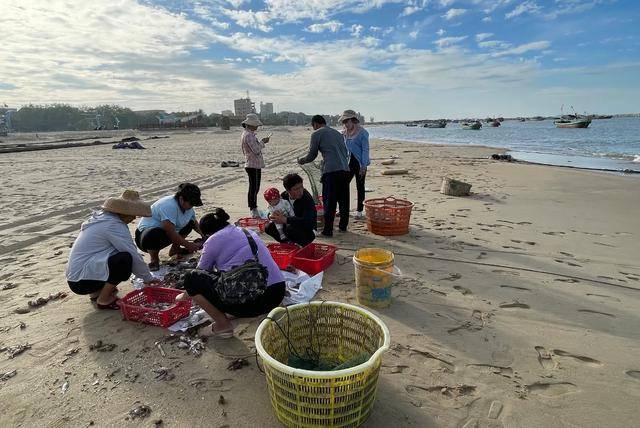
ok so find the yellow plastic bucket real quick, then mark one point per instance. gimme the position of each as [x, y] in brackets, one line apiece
[374, 273]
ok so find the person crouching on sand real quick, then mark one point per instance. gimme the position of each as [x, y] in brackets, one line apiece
[103, 254]
[171, 220]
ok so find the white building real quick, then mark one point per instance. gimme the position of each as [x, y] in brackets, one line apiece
[266, 109]
[244, 106]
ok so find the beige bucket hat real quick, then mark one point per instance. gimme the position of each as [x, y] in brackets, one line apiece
[128, 203]
[348, 114]
[252, 120]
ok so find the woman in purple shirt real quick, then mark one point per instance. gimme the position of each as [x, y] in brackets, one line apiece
[227, 246]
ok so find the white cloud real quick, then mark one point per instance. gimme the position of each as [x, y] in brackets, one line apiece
[486, 19]
[448, 41]
[410, 10]
[446, 3]
[250, 19]
[527, 7]
[452, 13]
[356, 30]
[518, 50]
[494, 44]
[491, 5]
[440, 32]
[331, 26]
[370, 41]
[483, 36]
[414, 34]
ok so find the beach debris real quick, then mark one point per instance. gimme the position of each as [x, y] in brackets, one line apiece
[159, 346]
[195, 345]
[71, 352]
[237, 364]
[395, 172]
[163, 373]
[222, 400]
[102, 347]
[8, 375]
[453, 187]
[5, 329]
[450, 391]
[129, 143]
[65, 387]
[22, 310]
[41, 301]
[388, 162]
[158, 422]
[497, 156]
[494, 410]
[30, 295]
[140, 411]
[232, 164]
[14, 351]
[9, 286]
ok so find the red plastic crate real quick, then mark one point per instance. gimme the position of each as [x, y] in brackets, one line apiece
[282, 253]
[132, 307]
[314, 258]
[253, 223]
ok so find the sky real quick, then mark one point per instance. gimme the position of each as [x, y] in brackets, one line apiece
[388, 59]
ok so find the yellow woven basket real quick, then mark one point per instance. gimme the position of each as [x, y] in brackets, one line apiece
[305, 398]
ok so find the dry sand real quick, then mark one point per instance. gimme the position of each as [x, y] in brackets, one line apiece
[518, 306]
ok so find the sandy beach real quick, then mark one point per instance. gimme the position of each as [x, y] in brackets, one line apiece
[518, 306]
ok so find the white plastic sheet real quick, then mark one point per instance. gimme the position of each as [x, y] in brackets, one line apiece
[300, 287]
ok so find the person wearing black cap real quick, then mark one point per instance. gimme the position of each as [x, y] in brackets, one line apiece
[172, 219]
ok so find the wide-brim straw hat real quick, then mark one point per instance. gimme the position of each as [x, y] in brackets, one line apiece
[128, 203]
[252, 120]
[348, 114]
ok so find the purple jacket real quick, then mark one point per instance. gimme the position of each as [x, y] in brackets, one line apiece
[229, 247]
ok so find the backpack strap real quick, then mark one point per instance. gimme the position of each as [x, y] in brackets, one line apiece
[252, 244]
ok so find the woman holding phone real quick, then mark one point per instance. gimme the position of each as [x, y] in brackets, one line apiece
[254, 162]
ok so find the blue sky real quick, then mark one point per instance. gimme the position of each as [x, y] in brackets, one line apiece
[389, 59]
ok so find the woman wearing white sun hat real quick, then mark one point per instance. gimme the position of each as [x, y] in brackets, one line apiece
[252, 149]
[357, 140]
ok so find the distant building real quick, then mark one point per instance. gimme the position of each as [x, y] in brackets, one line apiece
[244, 106]
[227, 113]
[266, 110]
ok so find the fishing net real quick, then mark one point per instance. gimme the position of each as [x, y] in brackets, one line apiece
[314, 174]
[311, 355]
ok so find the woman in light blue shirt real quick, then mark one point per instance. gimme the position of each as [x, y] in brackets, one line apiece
[357, 141]
[172, 219]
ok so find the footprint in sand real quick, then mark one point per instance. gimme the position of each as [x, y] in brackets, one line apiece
[553, 233]
[514, 305]
[635, 374]
[545, 359]
[587, 360]
[462, 290]
[506, 272]
[604, 296]
[570, 280]
[552, 389]
[516, 288]
[589, 311]
[566, 254]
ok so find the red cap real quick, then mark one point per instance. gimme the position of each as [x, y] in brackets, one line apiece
[271, 193]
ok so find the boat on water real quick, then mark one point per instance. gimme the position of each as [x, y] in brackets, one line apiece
[495, 123]
[471, 125]
[410, 124]
[573, 121]
[435, 124]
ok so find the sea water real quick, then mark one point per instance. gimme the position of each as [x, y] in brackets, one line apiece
[607, 144]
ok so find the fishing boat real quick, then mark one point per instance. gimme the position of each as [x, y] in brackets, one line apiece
[435, 124]
[471, 125]
[496, 123]
[410, 124]
[574, 121]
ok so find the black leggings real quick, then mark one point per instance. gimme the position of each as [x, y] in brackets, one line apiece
[295, 234]
[354, 169]
[196, 283]
[255, 174]
[156, 238]
[335, 192]
[119, 266]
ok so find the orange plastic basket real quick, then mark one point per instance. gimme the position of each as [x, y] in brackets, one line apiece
[253, 223]
[388, 216]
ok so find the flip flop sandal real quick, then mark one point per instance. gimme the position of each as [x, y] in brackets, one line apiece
[154, 267]
[95, 299]
[113, 306]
